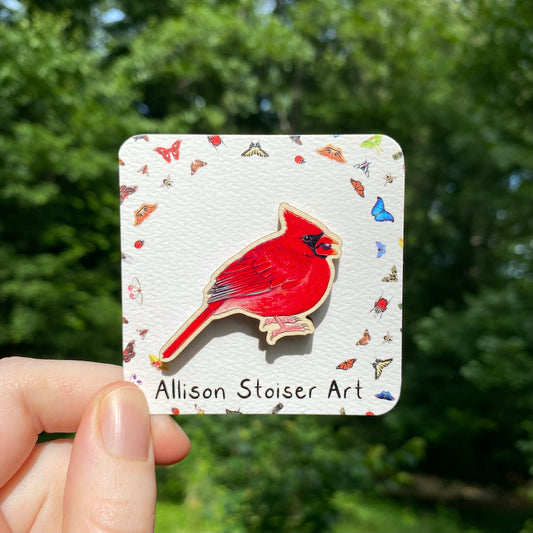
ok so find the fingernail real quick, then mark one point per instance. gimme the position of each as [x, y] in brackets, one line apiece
[125, 423]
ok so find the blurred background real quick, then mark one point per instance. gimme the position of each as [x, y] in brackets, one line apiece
[450, 80]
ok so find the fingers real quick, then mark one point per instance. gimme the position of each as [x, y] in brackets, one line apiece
[110, 483]
[171, 444]
[40, 395]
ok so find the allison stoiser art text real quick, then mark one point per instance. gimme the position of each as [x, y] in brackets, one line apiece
[176, 389]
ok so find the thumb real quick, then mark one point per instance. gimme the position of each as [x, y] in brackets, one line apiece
[110, 483]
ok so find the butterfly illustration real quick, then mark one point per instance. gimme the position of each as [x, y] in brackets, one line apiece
[380, 306]
[379, 365]
[196, 164]
[384, 395]
[276, 409]
[379, 213]
[400, 242]
[381, 249]
[332, 152]
[135, 290]
[364, 167]
[157, 363]
[230, 412]
[125, 191]
[296, 139]
[125, 320]
[128, 353]
[215, 140]
[365, 339]
[358, 187]
[346, 365]
[393, 276]
[144, 171]
[120, 162]
[139, 137]
[254, 149]
[143, 212]
[169, 153]
[142, 333]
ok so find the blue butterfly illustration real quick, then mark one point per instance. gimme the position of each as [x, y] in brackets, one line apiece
[384, 395]
[379, 213]
[381, 248]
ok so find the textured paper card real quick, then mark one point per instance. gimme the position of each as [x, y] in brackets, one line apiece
[212, 287]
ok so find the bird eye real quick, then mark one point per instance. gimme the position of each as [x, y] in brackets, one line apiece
[307, 238]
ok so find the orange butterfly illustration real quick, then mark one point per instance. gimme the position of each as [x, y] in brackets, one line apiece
[332, 152]
[196, 164]
[169, 153]
[346, 365]
[144, 211]
[358, 187]
[365, 339]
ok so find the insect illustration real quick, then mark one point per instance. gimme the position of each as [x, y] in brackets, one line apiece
[157, 363]
[125, 320]
[389, 178]
[230, 412]
[397, 155]
[143, 212]
[135, 379]
[215, 140]
[393, 276]
[364, 167]
[175, 411]
[379, 365]
[400, 242]
[120, 162]
[342, 411]
[139, 137]
[276, 409]
[373, 142]
[142, 333]
[196, 164]
[358, 187]
[169, 153]
[125, 191]
[381, 249]
[128, 353]
[332, 152]
[346, 365]
[387, 338]
[380, 306]
[138, 244]
[144, 171]
[254, 149]
[299, 159]
[379, 213]
[167, 182]
[199, 411]
[365, 339]
[296, 139]
[135, 290]
[384, 395]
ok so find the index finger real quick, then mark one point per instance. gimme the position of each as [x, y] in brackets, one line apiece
[43, 395]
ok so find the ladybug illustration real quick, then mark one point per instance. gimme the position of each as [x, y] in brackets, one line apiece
[299, 159]
[138, 244]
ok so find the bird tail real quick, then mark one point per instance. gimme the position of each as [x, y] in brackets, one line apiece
[189, 330]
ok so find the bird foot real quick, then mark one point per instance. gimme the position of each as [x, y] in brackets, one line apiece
[282, 326]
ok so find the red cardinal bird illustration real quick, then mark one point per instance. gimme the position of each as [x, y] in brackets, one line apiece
[278, 280]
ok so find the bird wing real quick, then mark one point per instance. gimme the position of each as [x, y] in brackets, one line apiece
[250, 275]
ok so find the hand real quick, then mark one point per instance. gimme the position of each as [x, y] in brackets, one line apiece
[104, 479]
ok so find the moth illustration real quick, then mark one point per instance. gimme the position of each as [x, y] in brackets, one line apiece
[332, 152]
[143, 212]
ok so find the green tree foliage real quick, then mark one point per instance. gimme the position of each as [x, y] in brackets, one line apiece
[451, 81]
